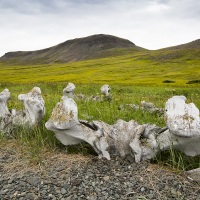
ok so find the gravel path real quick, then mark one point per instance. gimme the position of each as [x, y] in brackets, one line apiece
[69, 177]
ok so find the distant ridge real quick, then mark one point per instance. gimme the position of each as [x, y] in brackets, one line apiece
[190, 45]
[95, 46]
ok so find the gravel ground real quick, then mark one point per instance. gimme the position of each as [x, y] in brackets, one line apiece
[69, 177]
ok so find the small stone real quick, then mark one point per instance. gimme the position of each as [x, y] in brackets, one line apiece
[33, 180]
[2, 192]
[194, 174]
[173, 191]
[66, 186]
[76, 182]
[59, 169]
[142, 189]
[30, 196]
[106, 178]
[10, 180]
[63, 191]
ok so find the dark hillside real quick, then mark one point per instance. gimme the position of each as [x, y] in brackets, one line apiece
[95, 46]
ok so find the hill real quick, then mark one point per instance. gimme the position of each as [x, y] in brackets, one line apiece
[95, 46]
[190, 45]
[99, 60]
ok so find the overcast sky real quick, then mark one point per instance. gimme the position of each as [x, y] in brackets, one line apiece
[152, 24]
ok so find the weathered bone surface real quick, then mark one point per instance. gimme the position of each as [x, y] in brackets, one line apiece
[4, 96]
[142, 142]
[188, 145]
[69, 130]
[4, 112]
[123, 138]
[69, 90]
[182, 119]
[31, 115]
[145, 106]
[34, 108]
[105, 89]
[150, 107]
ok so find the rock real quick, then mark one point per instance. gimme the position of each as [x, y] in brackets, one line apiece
[76, 182]
[33, 180]
[30, 196]
[63, 191]
[2, 192]
[66, 186]
[194, 174]
[106, 178]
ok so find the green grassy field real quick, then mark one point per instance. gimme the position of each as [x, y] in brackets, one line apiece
[152, 68]
[153, 76]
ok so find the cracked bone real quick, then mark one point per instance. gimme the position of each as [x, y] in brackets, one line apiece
[69, 130]
[126, 138]
[69, 90]
[34, 108]
[104, 138]
[5, 119]
[182, 118]
[4, 96]
[184, 127]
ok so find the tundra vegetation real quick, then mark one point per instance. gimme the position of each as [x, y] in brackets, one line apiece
[152, 76]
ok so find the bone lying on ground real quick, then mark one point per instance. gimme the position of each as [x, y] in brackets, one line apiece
[31, 115]
[145, 106]
[122, 138]
[184, 126]
[34, 108]
[5, 115]
[69, 90]
[182, 119]
[142, 142]
[69, 130]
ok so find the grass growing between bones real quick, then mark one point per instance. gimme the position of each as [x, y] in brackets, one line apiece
[38, 139]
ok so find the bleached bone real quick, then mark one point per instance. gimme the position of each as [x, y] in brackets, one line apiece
[181, 118]
[123, 138]
[126, 138]
[34, 108]
[69, 90]
[184, 127]
[105, 89]
[5, 114]
[69, 130]
[4, 96]
[188, 145]
[150, 107]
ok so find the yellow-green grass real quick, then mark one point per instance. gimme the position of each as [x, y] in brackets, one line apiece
[143, 68]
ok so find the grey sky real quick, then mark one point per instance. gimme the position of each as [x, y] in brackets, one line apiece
[152, 24]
